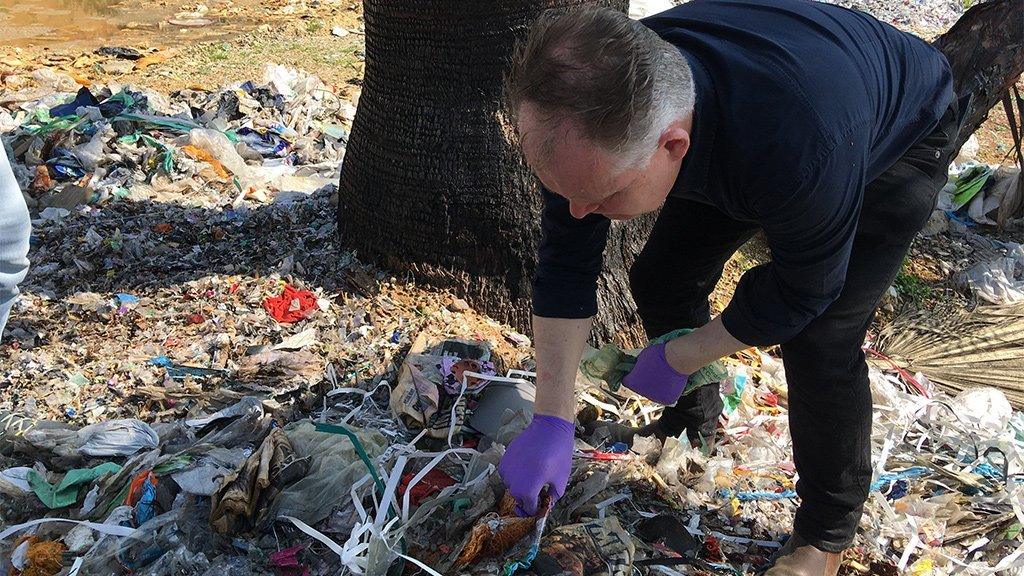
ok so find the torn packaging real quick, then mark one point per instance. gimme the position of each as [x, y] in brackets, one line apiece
[495, 534]
[242, 502]
[594, 548]
[422, 396]
[428, 392]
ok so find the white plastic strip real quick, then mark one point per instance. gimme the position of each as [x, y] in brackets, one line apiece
[493, 378]
[604, 405]
[356, 500]
[741, 540]
[455, 406]
[608, 502]
[313, 532]
[390, 489]
[359, 391]
[912, 545]
[111, 529]
[520, 373]
[883, 457]
[977, 544]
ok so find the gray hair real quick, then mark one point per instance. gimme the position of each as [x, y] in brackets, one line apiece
[618, 80]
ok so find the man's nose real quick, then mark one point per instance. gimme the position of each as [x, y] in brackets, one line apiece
[579, 210]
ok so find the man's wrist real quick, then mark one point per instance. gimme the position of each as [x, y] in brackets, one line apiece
[676, 356]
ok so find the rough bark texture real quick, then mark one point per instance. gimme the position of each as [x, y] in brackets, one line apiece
[433, 181]
[985, 49]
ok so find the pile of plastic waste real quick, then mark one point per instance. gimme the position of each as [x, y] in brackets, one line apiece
[199, 380]
[401, 470]
[250, 141]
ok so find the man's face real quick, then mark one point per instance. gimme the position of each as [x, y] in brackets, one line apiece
[592, 179]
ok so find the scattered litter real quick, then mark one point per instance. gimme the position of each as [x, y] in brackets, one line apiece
[201, 381]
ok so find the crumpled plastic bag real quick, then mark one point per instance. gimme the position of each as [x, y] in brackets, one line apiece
[113, 438]
[986, 408]
[221, 149]
[996, 280]
[333, 467]
[92, 152]
[116, 438]
[206, 477]
[65, 492]
[14, 481]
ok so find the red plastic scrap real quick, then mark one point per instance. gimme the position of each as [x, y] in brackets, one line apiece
[286, 562]
[292, 305]
[431, 484]
[712, 550]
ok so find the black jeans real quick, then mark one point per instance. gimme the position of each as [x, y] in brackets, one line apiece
[829, 394]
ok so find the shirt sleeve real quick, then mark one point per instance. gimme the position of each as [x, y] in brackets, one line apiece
[569, 261]
[810, 227]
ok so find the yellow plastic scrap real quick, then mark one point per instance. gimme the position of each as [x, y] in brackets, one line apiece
[923, 567]
[734, 503]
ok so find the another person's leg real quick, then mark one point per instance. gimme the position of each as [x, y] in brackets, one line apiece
[15, 229]
[829, 394]
[671, 281]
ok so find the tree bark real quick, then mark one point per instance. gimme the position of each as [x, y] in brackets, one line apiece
[985, 49]
[433, 182]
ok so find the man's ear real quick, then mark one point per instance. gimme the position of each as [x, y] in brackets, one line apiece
[675, 140]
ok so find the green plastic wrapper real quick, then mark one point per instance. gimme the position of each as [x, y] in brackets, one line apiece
[970, 182]
[65, 493]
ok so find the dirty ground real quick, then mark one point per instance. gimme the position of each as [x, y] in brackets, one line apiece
[200, 379]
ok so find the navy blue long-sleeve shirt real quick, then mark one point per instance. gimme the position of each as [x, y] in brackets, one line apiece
[799, 105]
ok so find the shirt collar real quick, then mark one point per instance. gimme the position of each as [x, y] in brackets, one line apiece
[693, 173]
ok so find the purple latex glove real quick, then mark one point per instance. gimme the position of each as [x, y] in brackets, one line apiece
[540, 456]
[654, 378]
